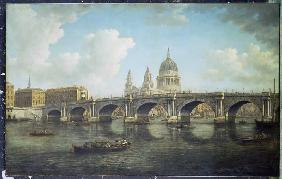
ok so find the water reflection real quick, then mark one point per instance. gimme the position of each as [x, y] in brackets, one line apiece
[157, 149]
[117, 126]
[203, 131]
[158, 130]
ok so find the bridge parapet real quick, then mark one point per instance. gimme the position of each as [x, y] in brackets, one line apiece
[247, 94]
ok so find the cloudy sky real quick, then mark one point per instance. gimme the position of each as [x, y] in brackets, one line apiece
[217, 47]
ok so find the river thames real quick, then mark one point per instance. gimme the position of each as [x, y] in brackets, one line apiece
[157, 149]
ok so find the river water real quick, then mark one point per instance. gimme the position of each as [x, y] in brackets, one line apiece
[157, 149]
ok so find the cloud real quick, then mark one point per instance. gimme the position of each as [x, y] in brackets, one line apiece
[30, 35]
[259, 20]
[252, 68]
[103, 52]
[105, 49]
[172, 15]
[63, 12]
[31, 32]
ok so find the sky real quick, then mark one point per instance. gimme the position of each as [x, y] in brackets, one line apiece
[217, 47]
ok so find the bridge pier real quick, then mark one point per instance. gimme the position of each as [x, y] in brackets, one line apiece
[63, 117]
[173, 117]
[92, 109]
[266, 109]
[184, 118]
[130, 115]
[219, 114]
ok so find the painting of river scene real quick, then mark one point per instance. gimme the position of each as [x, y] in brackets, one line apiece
[142, 89]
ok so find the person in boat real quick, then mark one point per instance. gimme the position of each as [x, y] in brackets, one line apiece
[108, 145]
[123, 142]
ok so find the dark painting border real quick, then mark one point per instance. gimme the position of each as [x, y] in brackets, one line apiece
[3, 4]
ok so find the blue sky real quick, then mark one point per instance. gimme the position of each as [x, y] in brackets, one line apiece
[96, 45]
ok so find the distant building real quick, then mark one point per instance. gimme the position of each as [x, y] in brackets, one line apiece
[168, 79]
[30, 97]
[148, 84]
[10, 95]
[57, 96]
[130, 89]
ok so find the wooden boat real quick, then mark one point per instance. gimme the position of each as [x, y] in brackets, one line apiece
[251, 140]
[266, 124]
[102, 146]
[41, 133]
[257, 139]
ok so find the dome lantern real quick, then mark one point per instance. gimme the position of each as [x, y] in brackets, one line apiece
[168, 66]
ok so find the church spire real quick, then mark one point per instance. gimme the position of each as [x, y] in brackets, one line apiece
[128, 85]
[29, 84]
[147, 76]
[147, 70]
[168, 54]
[147, 83]
[129, 77]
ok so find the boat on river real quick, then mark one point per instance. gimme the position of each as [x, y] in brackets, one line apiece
[40, 133]
[102, 146]
[257, 139]
[266, 124]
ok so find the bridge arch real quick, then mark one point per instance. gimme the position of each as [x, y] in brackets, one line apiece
[52, 108]
[77, 113]
[186, 108]
[143, 109]
[231, 111]
[54, 113]
[106, 111]
[188, 105]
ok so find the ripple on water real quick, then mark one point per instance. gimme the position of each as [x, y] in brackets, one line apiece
[156, 149]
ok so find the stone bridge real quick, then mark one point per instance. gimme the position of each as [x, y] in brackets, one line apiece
[177, 105]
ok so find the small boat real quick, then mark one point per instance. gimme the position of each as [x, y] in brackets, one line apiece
[266, 124]
[102, 146]
[258, 139]
[41, 133]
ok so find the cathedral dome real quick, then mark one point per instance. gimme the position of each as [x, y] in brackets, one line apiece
[168, 64]
[168, 79]
[168, 67]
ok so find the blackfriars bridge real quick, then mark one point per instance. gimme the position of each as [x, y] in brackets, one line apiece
[177, 105]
